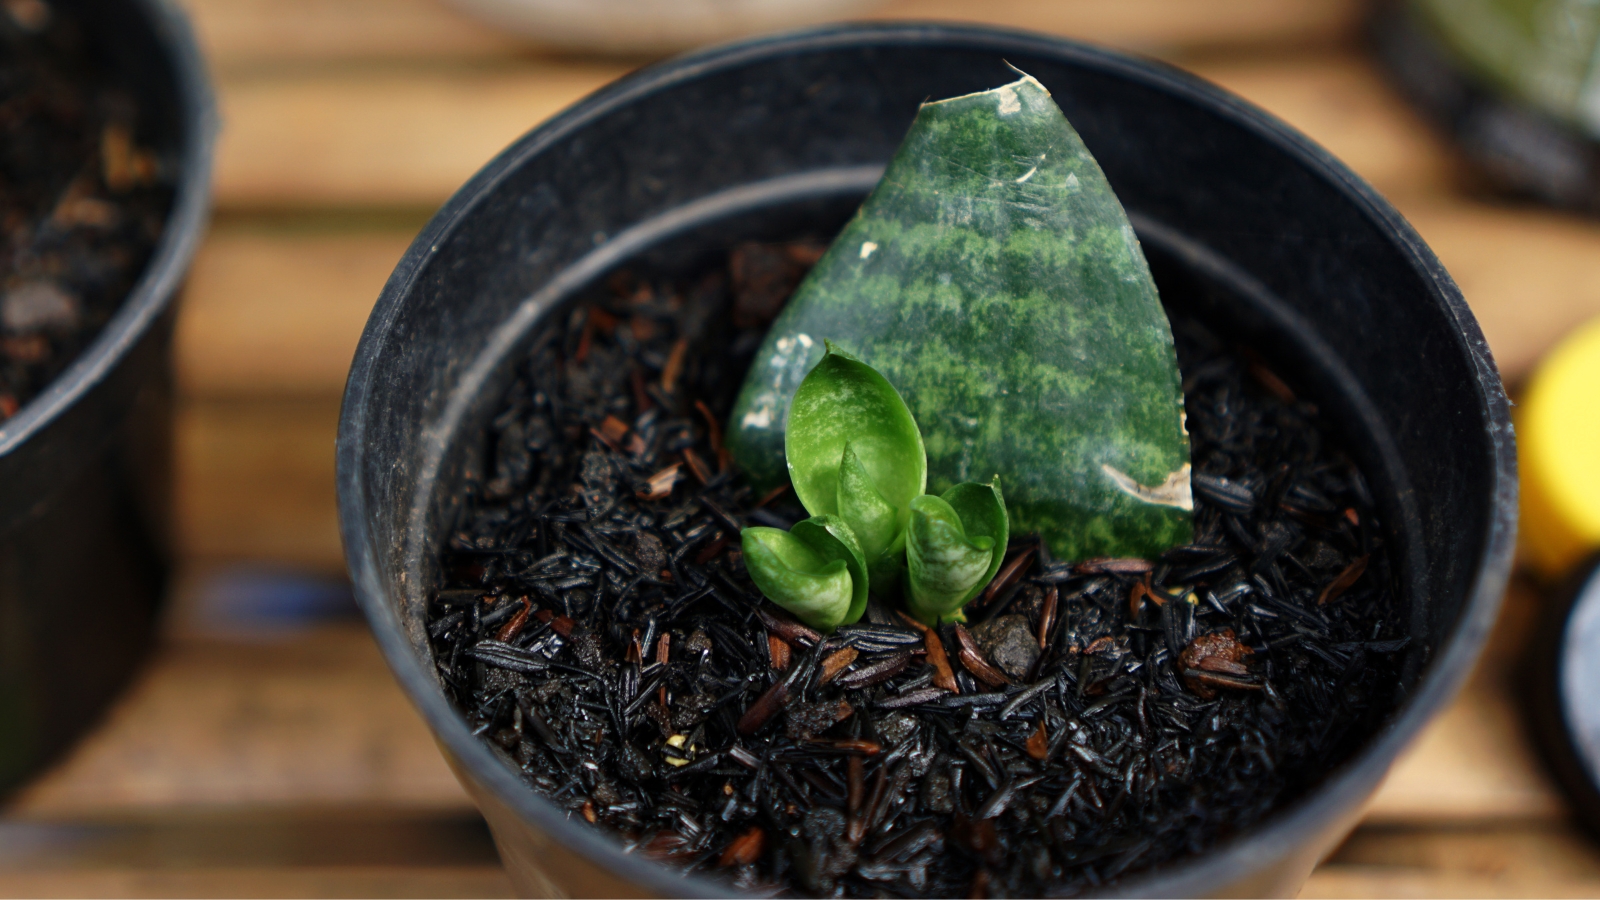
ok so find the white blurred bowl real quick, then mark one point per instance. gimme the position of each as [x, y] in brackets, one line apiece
[653, 26]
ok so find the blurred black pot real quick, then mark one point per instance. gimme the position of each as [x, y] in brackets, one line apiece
[1519, 145]
[85, 466]
[1263, 231]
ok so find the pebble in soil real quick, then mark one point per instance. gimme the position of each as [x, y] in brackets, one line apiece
[1095, 718]
[82, 203]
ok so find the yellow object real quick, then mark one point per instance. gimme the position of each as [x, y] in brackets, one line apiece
[1558, 442]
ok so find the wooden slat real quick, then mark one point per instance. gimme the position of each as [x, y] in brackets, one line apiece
[267, 33]
[407, 138]
[1530, 274]
[261, 33]
[1342, 102]
[1162, 27]
[310, 719]
[265, 881]
[1496, 860]
[254, 480]
[1382, 882]
[341, 139]
[1473, 763]
[275, 312]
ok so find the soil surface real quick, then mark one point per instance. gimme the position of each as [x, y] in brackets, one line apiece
[82, 202]
[1093, 719]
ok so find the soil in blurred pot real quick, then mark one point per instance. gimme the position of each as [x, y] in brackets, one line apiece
[82, 202]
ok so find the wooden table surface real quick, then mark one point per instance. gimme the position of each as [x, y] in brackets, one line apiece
[283, 761]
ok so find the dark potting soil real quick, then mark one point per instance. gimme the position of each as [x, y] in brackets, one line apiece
[81, 203]
[1095, 717]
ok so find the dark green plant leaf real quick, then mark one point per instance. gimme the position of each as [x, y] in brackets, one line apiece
[944, 565]
[844, 401]
[819, 590]
[994, 279]
[832, 538]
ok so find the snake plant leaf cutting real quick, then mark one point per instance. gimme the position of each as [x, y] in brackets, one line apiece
[954, 546]
[813, 570]
[853, 450]
[993, 278]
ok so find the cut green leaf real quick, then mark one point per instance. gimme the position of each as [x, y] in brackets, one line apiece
[819, 590]
[944, 565]
[993, 278]
[832, 538]
[844, 401]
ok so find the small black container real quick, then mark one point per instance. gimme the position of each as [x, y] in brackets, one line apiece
[1272, 239]
[1561, 670]
[85, 465]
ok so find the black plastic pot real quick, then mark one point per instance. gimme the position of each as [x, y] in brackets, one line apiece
[85, 466]
[1268, 235]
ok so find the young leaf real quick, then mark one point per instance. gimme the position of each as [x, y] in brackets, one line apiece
[833, 539]
[874, 520]
[993, 278]
[794, 575]
[944, 565]
[982, 510]
[842, 400]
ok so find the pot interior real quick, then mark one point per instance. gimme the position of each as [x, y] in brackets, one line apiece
[1194, 282]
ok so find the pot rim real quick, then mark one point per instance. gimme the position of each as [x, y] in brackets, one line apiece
[169, 262]
[1251, 852]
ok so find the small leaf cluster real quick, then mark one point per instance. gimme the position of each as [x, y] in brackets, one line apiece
[858, 465]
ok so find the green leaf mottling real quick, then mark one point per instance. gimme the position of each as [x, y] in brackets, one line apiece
[992, 277]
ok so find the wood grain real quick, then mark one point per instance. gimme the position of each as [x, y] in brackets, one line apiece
[240, 34]
[309, 719]
[277, 33]
[278, 312]
[1162, 27]
[381, 138]
[265, 881]
[1504, 859]
[1473, 763]
[254, 480]
[410, 138]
